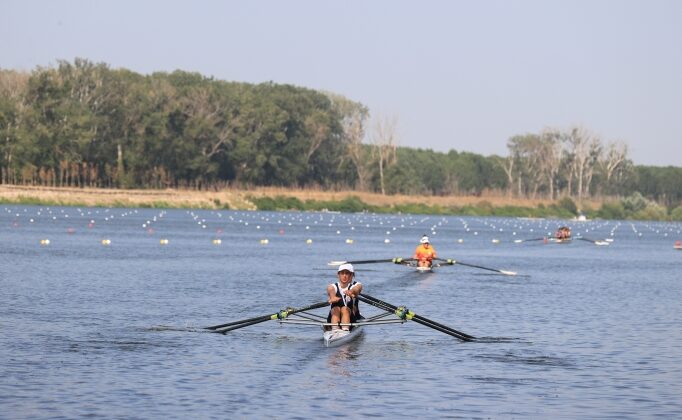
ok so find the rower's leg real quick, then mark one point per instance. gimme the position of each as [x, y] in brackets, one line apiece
[345, 317]
[336, 317]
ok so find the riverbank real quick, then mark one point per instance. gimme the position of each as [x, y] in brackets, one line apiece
[273, 198]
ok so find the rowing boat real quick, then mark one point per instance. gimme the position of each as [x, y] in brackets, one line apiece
[424, 269]
[333, 338]
[560, 241]
[411, 262]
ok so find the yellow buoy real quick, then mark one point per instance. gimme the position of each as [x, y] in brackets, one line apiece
[106, 242]
[217, 242]
[264, 241]
[44, 242]
[349, 241]
[496, 241]
[309, 241]
[163, 241]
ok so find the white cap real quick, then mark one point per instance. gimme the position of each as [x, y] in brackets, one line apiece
[424, 239]
[346, 266]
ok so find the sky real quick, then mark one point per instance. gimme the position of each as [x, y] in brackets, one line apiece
[462, 75]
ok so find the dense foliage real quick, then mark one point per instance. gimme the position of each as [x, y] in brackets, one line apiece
[85, 124]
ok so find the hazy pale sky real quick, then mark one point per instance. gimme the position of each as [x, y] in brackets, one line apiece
[463, 75]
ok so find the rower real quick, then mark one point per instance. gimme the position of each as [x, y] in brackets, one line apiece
[343, 298]
[563, 232]
[425, 253]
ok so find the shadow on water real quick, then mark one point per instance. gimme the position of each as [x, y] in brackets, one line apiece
[526, 359]
[501, 340]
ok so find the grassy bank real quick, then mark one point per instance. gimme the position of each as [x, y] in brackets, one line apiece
[280, 199]
[342, 201]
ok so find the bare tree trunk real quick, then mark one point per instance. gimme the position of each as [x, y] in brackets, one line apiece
[384, 139]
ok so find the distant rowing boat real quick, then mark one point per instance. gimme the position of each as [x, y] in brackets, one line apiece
[560, 241]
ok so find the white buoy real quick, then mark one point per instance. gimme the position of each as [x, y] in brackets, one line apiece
[106, 242]
[217, 242]
[163, 241]
[309, 241]
[264, 241]
[349, 241]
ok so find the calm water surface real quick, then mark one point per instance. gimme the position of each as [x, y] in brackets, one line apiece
[583, 331]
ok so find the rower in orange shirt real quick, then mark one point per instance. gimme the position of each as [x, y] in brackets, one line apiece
[425, 253]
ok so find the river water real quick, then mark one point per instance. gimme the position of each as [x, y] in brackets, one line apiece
[105, 319]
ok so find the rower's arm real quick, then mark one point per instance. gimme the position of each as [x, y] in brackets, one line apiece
[355, 290]
[331, 294]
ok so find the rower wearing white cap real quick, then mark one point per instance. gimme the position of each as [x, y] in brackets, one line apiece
[343, 297]
[425, 253]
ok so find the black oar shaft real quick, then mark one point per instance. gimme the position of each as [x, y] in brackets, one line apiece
[397, 260]
[256, 320]
[242, 325]
[417, 318]
[421, 318]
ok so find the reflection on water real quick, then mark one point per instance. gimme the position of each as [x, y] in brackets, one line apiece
[340, 358]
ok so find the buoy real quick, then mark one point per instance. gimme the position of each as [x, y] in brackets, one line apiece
[44, 242]
[349, 241]
[106, 242]
[217, 242]
[163, 241]
[309, 241]
[461, 241]
[264, 241]
[496, 241]
[387, 241]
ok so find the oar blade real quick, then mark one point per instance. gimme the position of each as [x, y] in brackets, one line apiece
[452, 261]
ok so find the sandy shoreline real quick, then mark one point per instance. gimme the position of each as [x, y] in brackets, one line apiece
[234, 198]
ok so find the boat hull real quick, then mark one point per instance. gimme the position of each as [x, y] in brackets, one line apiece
[333, 338]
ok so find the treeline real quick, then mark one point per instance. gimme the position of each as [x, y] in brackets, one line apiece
[85, 124]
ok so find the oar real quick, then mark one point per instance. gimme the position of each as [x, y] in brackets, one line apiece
[593, 241]
[223, 328]
[396, 260]
[518, 241]
[450, 261]
[404, 313]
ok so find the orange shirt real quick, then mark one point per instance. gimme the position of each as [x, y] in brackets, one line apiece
[423, 253]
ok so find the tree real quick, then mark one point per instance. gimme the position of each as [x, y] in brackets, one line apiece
[14, 111]
[550, 153]
[353, 116]
[584, 149]
[385, 145]
[613, 160]
[526, 150]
